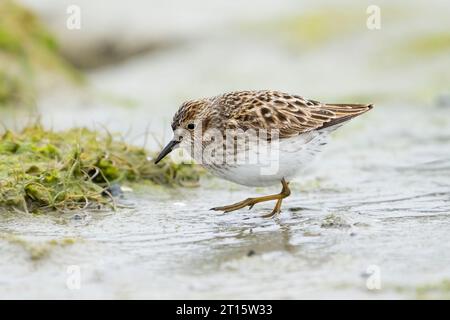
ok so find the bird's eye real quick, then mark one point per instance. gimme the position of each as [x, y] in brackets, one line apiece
[191, 126]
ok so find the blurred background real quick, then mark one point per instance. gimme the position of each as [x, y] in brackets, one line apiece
[379, 201]
[141, 59]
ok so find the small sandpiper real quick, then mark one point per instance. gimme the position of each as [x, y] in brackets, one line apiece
[293, 128]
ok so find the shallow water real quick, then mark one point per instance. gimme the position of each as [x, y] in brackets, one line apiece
[379, 197]
[375, 207]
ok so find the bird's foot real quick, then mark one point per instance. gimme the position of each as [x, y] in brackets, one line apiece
[250, 202]
[275, 210]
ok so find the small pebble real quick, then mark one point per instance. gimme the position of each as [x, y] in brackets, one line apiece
[115, 190]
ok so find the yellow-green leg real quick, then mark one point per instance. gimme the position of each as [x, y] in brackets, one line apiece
[285, 192]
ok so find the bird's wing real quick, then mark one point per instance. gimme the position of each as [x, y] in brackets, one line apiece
[290, 114]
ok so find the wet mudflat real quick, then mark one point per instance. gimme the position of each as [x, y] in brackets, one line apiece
[375, 202]
[370, 219]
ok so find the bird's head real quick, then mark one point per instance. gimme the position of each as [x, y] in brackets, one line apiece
[186, 125]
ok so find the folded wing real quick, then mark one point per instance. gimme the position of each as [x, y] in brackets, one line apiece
[290, 114]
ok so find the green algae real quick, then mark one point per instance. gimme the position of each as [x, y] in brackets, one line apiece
[314, 27]
[414, 49]
[42, 170]
[334, 221]
[426, 57]
[427, 291]
[28, 54]
[437, 290]
[11, 88]
[37, 250]
[318, 27]
[425, 46]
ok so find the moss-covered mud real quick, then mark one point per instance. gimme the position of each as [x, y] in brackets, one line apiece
[39, 250]
[42, 170]
[29, 56]
[426, 291]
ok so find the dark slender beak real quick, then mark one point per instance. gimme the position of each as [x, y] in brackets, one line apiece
[167, 149]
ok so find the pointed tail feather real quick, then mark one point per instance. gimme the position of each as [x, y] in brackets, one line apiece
[344, 112]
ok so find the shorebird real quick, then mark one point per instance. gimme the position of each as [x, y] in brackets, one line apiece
[298, 130]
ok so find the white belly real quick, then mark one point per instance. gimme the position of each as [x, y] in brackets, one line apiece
[267, 166]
